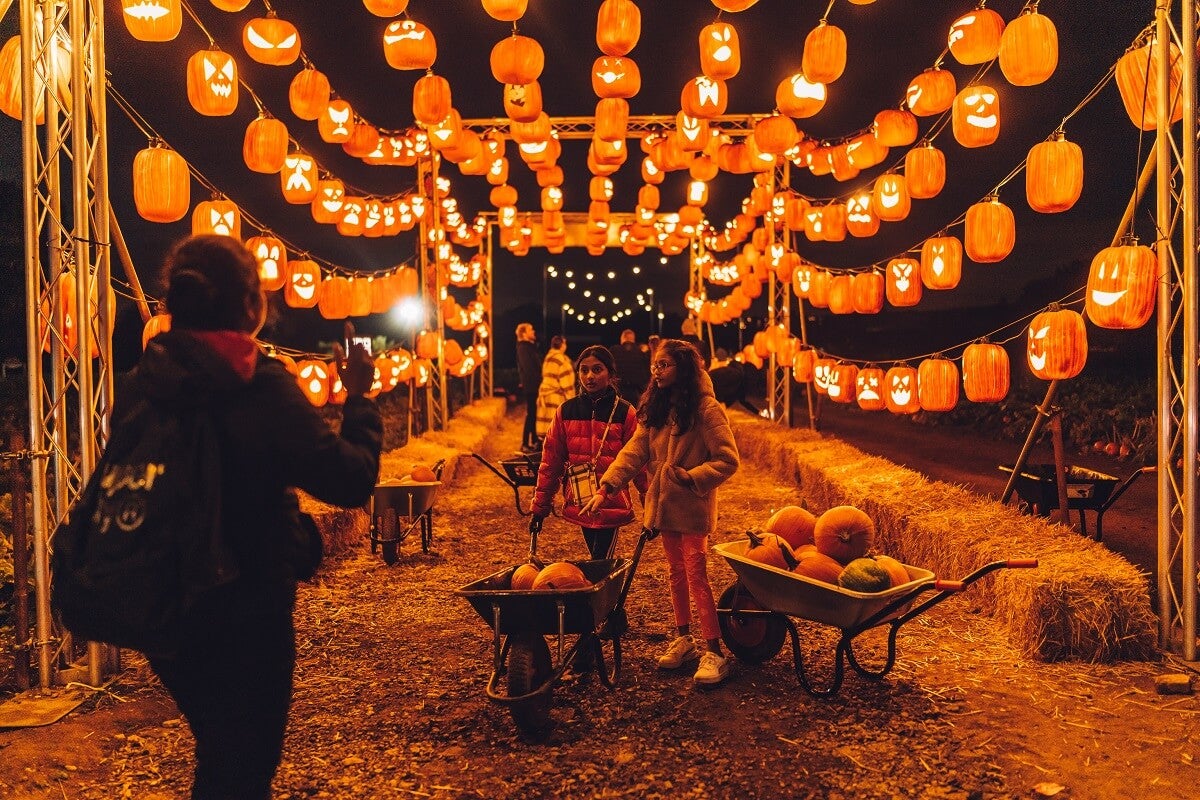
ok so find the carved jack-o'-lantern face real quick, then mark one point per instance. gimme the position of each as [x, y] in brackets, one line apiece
[981, 108]
[691, 130]
[868, 386]
[328, 203]
[888, 192]
[152, 20]
[797, 96]
[408, 44]
[313, 378]
[901, 271]
[860, 219]
[373, 218]
[271, 256]
[353, 216]
[976, 116]
[212, 83]
[220, 217]
[615, 76]
[901, 389]
[822, 372]
[938, 259]
[301, 288]
[271, 40]
[802, 278]
[704, 97]
[299, 178]
[1036, 347]
[336, 122]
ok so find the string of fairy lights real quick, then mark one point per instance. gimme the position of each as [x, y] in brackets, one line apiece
[607, 305]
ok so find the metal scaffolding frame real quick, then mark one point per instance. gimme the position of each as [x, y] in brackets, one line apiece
[67, 288]
[779, 301]
[1176, 244]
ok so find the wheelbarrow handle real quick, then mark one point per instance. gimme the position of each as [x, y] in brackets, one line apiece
[1021, 563]
[948, 586]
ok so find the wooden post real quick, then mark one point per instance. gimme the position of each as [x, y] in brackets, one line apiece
[1060, 466]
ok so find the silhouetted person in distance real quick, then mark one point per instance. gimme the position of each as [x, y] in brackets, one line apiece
[529, 373]
[729, 381]
[632, 365]
[688, 329]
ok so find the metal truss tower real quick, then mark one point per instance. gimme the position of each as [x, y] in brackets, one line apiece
[1177, 336]
[69, 299]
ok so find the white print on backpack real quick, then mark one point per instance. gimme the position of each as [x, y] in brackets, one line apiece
[134, 480]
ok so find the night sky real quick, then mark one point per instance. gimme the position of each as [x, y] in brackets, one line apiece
[889, 42]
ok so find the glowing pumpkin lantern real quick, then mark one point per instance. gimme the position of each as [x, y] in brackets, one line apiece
[62, 305]
[1029, 48]
[867, 292]
[220, 216]
[308, 93]
[986, 372]
[941, 262]
[212, 83]
[312, 376]
[925, 171]
[903, 285]
[407, 44]
[720, 54]
[271, 256]
[336, 296]
[1054, 175]
[386, 8]
[841, 294]
[900, 390]
[975, 36]
[517, 59]
[272, 41]
[1122, 286]
[799, 97]
[159, 323]
[618, 27]
[152, 20]
[704, 98]
[990, 231]
[303, 286]
[298, 178]
[824, 56]
[861, 220]
[931, 92]
[896, 127]
[822, 373]
[1057, 344]
[890, 199]
[937, 384]
[976, 116]
[775, 134]
[1137, 81]
[843, 381]
[868, 389]
[265, 145]
[505, 10]
[162, 184]
[336, 122]
[615, 76]
[327, 205]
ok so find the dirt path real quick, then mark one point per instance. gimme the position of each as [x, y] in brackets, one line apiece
[390, 699]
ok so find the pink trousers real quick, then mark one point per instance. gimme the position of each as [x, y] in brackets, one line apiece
[687, 568]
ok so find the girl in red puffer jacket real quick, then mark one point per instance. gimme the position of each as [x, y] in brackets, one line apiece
[590, 428]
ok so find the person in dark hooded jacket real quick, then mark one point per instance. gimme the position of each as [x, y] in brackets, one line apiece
[232, 679]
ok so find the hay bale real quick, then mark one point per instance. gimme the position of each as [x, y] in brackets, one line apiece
[1083, 602]
[346, 529]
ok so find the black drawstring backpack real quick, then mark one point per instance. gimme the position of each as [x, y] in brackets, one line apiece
[143, 543]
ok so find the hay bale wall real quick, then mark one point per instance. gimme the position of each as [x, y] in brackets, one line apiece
[345, 529]
[1083, 601]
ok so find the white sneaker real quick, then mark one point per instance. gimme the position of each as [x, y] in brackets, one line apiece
[681, 651]
[713, 668]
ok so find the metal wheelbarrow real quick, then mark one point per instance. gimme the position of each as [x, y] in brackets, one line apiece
[400, 508]
[522, 619]
[519, 471]
[755, 612]
[1087, 490]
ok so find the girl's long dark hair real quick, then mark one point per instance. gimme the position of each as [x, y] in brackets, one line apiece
[682, 396]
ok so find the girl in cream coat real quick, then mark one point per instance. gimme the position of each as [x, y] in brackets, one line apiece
[684, 442]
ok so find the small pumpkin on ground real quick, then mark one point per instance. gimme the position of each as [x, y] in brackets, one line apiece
[793, 523]
[865, 575]
[844, 533]
[523, 577]
[560, 576]
[770, 549]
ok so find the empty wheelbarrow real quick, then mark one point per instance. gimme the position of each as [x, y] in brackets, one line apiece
[1087, 490]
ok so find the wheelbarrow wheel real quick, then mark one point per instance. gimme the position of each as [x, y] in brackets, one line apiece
[528, 669]
[754, 638]
[391, 551]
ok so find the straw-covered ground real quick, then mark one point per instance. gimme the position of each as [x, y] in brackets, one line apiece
[390, 699]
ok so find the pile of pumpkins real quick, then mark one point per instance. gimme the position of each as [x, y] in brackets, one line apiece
[832, 548]
[556, 576]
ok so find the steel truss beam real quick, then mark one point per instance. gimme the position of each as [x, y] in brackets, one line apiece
[1177, 338]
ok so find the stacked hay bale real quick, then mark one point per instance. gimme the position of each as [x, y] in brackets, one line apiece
[1083, 602]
